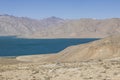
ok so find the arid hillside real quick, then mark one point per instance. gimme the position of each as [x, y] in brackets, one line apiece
[106, 48]
[100, 49]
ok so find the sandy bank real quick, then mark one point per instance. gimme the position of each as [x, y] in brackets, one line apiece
[34, 58]
[9, 60]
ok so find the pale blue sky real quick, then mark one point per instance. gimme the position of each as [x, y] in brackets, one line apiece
[68, 9]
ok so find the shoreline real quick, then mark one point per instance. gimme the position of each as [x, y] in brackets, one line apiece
[22, 37]
[24, 59]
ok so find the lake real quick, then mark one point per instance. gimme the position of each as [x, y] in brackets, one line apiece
[11, 46]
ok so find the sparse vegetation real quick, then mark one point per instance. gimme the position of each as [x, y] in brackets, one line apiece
[83, 70]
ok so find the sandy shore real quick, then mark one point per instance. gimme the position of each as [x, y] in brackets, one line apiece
[35, 58]
[9, 60]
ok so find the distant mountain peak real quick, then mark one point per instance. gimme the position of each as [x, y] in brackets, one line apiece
[53, 18]
[7, 15]
[52, 21]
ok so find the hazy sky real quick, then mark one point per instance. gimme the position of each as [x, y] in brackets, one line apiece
[70, 9]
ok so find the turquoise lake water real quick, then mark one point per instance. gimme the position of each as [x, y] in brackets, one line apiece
[11, 46]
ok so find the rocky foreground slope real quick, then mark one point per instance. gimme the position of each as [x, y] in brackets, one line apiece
[86, 70]
[54, 27]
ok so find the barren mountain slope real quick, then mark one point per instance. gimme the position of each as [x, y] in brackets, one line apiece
[23, 26]
[54, 27]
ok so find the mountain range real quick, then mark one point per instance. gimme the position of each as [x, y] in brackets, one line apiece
[54, 27]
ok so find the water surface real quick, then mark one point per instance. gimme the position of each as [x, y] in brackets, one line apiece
[11, 46]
